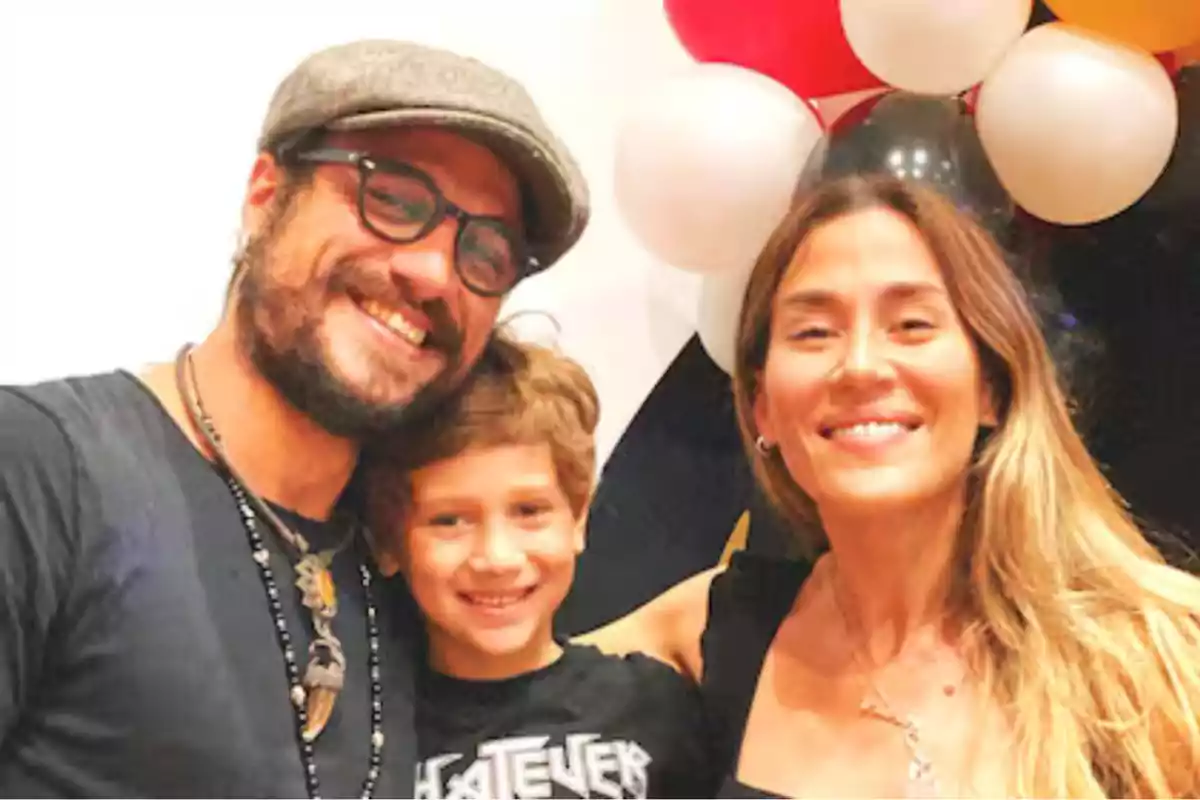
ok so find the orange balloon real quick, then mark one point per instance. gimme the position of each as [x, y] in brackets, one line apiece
[1189, 55]
[1153, 25]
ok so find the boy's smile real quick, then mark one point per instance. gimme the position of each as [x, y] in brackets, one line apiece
[490, 549]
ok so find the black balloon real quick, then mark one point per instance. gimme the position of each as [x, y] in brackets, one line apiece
[915, 137]
[1177, 190]
[1041, 15]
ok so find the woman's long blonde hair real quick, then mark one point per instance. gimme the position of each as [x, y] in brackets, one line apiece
[1089, 641]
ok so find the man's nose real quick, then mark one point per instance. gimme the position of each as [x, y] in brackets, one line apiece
[427, 265]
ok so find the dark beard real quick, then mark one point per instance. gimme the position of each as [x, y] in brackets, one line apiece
[279, 330]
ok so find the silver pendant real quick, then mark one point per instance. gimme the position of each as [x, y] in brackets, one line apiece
[921, 782]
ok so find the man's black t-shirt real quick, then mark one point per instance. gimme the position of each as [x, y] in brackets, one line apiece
[588, 725]
[138, 655]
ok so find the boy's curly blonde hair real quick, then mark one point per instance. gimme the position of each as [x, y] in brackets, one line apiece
[518, 393]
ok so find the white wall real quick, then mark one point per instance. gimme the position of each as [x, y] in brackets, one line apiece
[126, 137]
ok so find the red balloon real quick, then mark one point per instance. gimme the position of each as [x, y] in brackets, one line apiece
[971, 97]
[1171, 62]
[799, 43]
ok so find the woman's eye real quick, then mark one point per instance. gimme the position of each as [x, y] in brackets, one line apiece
[811, 332]
[915, 324]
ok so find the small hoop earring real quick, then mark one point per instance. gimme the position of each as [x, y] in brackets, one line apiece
[762, 445]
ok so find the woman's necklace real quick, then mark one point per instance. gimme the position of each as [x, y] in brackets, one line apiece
[312, 697]
[921, 779]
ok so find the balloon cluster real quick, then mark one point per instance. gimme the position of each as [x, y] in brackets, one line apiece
[1071, 110]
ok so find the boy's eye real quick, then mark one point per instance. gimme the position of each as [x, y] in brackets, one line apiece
[526, 510]
[445, 520]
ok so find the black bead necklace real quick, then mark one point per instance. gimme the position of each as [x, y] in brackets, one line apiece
[262, 557]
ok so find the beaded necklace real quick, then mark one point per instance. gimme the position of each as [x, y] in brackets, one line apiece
[313, 694]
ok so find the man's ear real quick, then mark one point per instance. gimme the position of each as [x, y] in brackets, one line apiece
[266, 176]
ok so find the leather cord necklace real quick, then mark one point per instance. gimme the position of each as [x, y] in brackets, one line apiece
[313, 697]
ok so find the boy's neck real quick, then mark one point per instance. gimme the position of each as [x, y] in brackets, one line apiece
[467, 662]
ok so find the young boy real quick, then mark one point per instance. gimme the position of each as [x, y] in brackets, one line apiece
[483, 511]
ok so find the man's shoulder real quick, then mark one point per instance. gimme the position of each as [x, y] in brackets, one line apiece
[45, 479]
[66, 399]
[70, 414]
[59, 437]
[38, 421]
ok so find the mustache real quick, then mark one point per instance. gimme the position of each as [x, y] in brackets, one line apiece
[358, 281]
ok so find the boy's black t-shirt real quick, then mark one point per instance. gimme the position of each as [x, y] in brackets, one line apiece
[588, 725]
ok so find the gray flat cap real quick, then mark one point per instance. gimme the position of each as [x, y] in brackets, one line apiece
[380, 83]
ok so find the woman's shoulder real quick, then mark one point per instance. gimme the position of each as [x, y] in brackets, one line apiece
[747, 602]
[671, 627]
[754, 583]
[667, 627]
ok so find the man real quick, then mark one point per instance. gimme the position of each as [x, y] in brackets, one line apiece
[185, 608]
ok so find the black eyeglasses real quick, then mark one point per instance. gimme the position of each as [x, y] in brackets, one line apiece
[399, 203]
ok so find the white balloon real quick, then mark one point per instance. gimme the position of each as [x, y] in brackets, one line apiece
[721, 297]
[707, 162]
[933, 46]
[1077, 126]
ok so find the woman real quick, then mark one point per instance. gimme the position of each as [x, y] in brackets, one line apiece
[986, 620]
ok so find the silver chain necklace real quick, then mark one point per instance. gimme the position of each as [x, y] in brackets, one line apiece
[921, 781]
